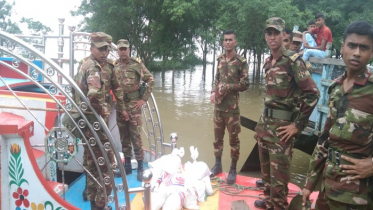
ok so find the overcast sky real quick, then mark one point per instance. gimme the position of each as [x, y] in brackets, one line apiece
[45, 11]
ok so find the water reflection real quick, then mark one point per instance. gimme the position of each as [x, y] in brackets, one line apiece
[183, 99]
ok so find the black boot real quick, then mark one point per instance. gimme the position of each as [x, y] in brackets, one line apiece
[259, 183]
[128, 165]
[140, 170]
[217, 168]
[231, 179]
[95, 207]
[260, 204]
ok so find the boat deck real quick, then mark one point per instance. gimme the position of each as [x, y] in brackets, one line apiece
[221, 200]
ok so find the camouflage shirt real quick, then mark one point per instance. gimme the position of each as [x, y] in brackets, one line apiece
[233, 74]
[96, 81]
[131, 74]
[287, 80]
[348, 130]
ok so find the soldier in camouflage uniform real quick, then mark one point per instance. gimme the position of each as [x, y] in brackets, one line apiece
[231, 77]
[137, 83]
[95, 78]
[285, 73]
[343, 154]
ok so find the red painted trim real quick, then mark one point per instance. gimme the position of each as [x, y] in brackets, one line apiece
[14, 124]
[26, 140]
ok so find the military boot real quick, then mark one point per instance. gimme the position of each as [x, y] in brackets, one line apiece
[231, 179]
[260, 204]
[128, 165]
[95, 207]
[140, 170]
[217, 168]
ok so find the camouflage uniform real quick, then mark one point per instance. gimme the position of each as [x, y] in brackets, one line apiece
[96, 81]
[130, 76]
[231, 78]
[347, 131]
[282, 80]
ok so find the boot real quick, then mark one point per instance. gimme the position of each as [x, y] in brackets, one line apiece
[95, 207]
[259, 183]
[128, 165]
[260, 204]
[140, 170]
[217, 169]
[231, 179]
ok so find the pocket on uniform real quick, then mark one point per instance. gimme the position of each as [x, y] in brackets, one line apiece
[358, 126]
[129, 78]
[336, 180]
[277, 83]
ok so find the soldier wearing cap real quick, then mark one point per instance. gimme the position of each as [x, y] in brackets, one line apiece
[95, 78]
[285, 73]
[342, 158]
[137, 83]
[231, 78]
[297, 41]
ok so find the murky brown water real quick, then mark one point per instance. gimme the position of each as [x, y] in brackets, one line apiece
[183, 99]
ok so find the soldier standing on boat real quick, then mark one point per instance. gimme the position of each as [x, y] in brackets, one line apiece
[343, 154]
[285, 74]
[231, 77]
[137, 83]
[95, 78]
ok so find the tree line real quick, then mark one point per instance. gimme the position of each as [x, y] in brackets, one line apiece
[167, 33]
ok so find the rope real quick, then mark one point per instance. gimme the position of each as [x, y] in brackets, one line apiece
[237, 190]
[234, 189]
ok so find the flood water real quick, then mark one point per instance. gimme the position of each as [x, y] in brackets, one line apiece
[183, 99]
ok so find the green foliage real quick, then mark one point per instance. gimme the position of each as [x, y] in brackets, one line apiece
[35, 26]
[6, 23]
[171, 30]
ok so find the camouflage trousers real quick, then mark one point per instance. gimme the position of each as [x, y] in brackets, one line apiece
[230, 121]
[275, 160]
[94, 191]
[130, 133]
[336, 205]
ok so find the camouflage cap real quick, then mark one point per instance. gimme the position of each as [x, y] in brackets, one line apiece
[99, 39]
[276, 23]
[109, 39]
[297, 36]
[122, 43]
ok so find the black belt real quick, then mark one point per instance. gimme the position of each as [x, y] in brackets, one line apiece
[335, 157]
[277, 114]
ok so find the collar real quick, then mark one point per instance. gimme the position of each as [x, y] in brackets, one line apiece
[234, 55]
[280, 53]
[360, 80]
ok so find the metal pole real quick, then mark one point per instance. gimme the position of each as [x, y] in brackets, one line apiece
[60, 47]
[147, 177]
[71, 54]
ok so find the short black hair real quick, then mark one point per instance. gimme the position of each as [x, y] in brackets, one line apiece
[288, 31]
[311, 22]
[362, 28]
[229, 31]
[319, 15]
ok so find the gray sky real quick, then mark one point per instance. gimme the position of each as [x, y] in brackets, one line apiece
[45, 11]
